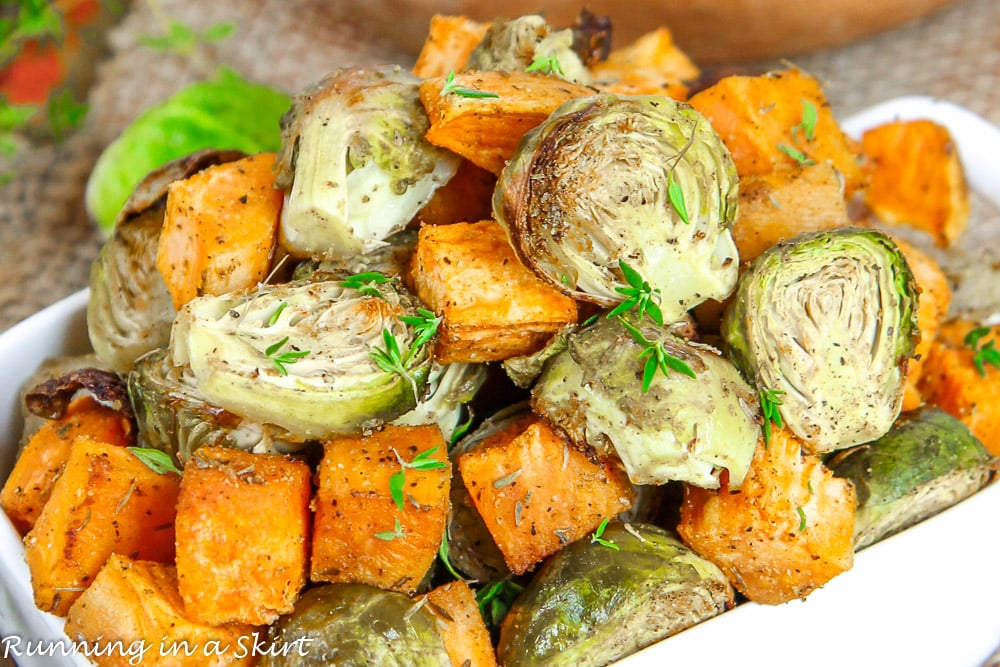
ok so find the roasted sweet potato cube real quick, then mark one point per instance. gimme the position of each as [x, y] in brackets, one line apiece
[487, 130]
[651, 65]
[134, 604]
[449, 43]
[763, 122]
[951, 381]
[786, 531]
[461, 624]
[242, 535]
[536, 493]
[466, 196]
[493, 306]
[105, 501]
[219, 229]
[785, 203]
[916, 178]
[381, 507]
[42, 460]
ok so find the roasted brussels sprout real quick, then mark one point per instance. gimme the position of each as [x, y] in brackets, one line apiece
[595, 602]
[317, 359]
[389, 259]
[926, 463]
[174, 417]
[519, 43]
[356, 625]
[608, 179]
[355, 161]
[449, 387]
[682, 428]
[829, 319]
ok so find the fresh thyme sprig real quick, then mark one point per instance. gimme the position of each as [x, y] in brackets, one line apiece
[389, 535]
[641, 297]
[546, 65]
[495, 599]
[156, 460]
[983, 354]
[421, 462]
[807, 126]
[365, 283]
[656, 356]
[770, 401]
[284, 358]
[599, 538]
[425, 324]
[451, 87]
[676, 196]
[796, 155]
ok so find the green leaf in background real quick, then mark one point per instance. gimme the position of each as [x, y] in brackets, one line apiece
[224, 112]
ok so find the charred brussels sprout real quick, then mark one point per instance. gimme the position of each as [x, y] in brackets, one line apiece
[354, 158]
[592, 603]
[317, 359]
[642, 179]
[352, 625]
[829, 319]
[528, 42]
[926, 463]
[683, 428]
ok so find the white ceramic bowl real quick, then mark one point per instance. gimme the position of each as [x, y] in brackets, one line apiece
[924, 597]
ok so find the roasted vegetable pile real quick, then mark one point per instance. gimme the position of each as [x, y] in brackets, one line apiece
[529, 355]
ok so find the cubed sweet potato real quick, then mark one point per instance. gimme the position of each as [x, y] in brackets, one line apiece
[242, 535]
[785, 203]
[651, 65]
[916, 178]
[493, 306]
[951, 381]
[449, 42]
[761, 121]
[786, 531]
[537, 493]
[466, 196]
[461, 624]
[361, 534]
[42, 460]
[105, 501]
[219, 229]
[487, 130]
[132, 614]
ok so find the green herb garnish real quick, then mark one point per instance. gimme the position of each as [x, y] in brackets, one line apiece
[390, 535]
[770, 400]
[423, 461]
[802, 518]
[796, 155]
[286, 357]
[365, 283]
[599, 539]
[656, 356]
[451, 86]
[808, 123]
[676, 196]
[444, 553]
[546, 65]
[985, 354]
[156, 460]
[425, 324]
[271, 321]
[184, 40]
[495, 600]
[641, 296]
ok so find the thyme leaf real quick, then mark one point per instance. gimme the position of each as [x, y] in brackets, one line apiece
[676, 197]
[365, 283]
[656, 356]
[156, 460]
[425, 324]
[796, 155]
[640, 296]
[545, 65]
[287, 357]
[451, 87]
[599, 538]
[983, 354]
[389, 535]
[770, 400]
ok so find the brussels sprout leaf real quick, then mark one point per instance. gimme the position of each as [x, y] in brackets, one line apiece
[597, 537]
[770, 400]
[156, 460]
[451, 86]
[985, 354]
[641, 297]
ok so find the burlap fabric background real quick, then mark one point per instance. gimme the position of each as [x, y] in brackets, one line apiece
[47, 242]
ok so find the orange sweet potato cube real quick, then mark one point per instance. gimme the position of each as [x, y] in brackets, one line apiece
[242, 535]
[536, 493]
[364, 531]
[105, 501]
[42, 460]
[466, 638]
[449, 43]
[493, 306]
[134, 604]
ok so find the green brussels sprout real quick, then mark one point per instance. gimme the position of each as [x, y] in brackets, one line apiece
[927, 462]
[317, 359]
[352, 625]
[174, 417]
[449, 388]
[597, 601]
[355, 161]
[129, 310]
[829, 319]
[607, 179]
[682, 428]
[390, 259]
[528, 42]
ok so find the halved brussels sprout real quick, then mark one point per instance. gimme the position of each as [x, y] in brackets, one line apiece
[449, 387]
[390, 259]
[317, 359]
[829, 319]
[683, 428]
[593, 603]
[355, 161]
[174, 417]
[352, 625]
[606, 179]
[516, 44]
[927, 462]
